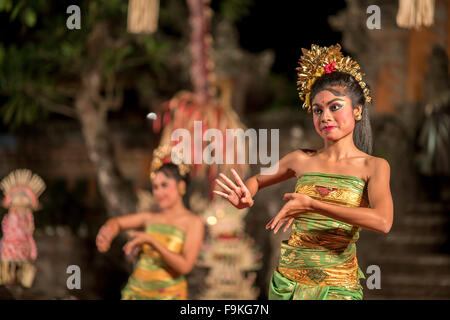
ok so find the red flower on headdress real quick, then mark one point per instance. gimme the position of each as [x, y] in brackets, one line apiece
[166, 160]
[329, 68]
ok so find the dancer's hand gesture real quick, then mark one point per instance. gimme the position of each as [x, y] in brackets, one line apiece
[297, 204]
[137, 239]
[238, 194]
[106, 235]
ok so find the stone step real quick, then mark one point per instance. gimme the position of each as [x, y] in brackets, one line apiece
[423, 223]
[425, 280]
[429, 208]
[400, 243]
[412, 285]
[414, 259]
[434, 231]
[408, 293]
[408, 288]
[398, 249]
[415, 239]
[442, 230]
[425, 220]
[416, 270]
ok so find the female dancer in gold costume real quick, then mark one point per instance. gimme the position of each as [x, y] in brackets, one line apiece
[335, 185]
[172, 239]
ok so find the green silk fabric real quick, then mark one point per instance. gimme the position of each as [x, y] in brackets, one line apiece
[341, 190]
[159, 285]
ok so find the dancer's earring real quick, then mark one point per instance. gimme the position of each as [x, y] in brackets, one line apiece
[182, 189]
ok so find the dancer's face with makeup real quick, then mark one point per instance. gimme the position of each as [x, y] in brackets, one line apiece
[333, 113]
[165, 190]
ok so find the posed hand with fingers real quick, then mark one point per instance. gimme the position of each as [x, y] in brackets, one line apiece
[106, 235]
[298, 203]
[235, 192]
[137, 240]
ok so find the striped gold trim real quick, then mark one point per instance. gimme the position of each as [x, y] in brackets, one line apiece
[337, 195]
[343, 275]
[173, 244]
[154, 275]
[179, 291]
[335, 239]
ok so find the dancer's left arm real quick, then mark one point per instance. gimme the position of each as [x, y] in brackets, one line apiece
[181, 263]
[378, 217]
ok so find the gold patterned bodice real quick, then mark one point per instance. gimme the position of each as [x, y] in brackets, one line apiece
[169, 236]
[321, 251]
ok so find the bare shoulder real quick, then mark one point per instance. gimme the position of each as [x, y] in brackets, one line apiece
[192, 220]
[300, 155]
[193, 224]
[305, 153]
[148, 216]
[378, 167]
[297, 160]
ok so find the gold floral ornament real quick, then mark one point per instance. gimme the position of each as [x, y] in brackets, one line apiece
[318, 61]
[164, 155]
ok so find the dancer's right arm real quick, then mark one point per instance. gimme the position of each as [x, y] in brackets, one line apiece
[113, 226]
[283, 170]
[241, 194]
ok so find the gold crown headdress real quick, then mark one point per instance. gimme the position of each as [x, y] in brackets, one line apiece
[163, 155]
[22, 180]
[318, 61]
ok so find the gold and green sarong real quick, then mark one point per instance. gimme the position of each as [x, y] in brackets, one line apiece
[152, 279]
[318, 261]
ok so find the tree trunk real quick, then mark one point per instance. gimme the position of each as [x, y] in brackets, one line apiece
[92, 110]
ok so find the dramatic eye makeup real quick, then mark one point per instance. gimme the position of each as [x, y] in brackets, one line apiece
[332, 104]
[336, 106]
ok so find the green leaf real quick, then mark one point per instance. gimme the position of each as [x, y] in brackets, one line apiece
[2, 53]
[66, 49]
[5, 5]
[29, 17]
[16, 10]
[30, 114]
[8, 112]
[18, 119]
[235, 10]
